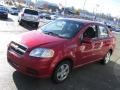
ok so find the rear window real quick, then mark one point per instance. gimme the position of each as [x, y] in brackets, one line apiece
[33, 12]
[14, 8]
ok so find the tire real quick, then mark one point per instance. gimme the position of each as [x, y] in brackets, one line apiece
[6, 17]
[61, 72]
[107, 58]
[20, 22]
[36, 25]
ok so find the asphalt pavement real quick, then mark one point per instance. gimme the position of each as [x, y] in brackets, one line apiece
[90, 77]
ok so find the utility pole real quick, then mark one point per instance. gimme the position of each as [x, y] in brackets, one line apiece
[84, 4]
[65, 6]
[84, 7]
[95, 11]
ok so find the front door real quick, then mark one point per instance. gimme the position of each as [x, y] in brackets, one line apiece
[86, 50]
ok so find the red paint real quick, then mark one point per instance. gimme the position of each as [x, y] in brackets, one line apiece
[79, 53]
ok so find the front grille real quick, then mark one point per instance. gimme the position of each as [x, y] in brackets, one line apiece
[17, 48]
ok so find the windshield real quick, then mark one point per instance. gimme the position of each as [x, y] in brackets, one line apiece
[33, 12]
[62, 28]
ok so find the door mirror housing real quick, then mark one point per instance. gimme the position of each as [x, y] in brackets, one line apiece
[87, 40]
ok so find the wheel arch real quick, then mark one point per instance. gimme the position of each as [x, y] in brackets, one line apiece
[62, 60]
[111, 51]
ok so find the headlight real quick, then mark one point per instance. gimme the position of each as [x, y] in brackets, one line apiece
[42, 52]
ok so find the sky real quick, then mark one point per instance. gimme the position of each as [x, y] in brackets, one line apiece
[100, 6]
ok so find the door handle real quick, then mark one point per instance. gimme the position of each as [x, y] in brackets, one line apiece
[98, 43]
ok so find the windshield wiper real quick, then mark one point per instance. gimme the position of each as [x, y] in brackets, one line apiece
[52, 33]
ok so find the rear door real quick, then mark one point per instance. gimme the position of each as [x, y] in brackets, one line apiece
[105, 40]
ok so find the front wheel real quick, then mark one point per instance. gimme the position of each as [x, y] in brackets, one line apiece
[61, 72]
[107, 58]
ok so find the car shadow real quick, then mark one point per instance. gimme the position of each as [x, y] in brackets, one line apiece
[90, 77]
[8, 19]
[29, 26]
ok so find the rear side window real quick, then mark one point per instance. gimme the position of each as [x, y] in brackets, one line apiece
[33, 12]
[103, 32]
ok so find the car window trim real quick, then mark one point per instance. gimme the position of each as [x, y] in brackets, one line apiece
[91, 25]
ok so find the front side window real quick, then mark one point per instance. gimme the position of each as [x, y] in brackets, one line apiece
[103, 32]
[91, 32]
[62, 28]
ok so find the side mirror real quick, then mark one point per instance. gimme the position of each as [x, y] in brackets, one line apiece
[87, 40]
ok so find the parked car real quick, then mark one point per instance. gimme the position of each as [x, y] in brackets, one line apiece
[14, 11]
[59, 46]
[45, 16]
[111, 28]
[41, 15]
[3, 12]
[28, 16]
[117, 29]
[53, 16]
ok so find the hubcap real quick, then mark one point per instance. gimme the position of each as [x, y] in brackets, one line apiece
[107, 58]
[63, 72]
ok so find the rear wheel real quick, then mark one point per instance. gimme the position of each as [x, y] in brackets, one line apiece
[36, 25]
[6, 17]
[20, 22]
[61, 72]
[107, 58]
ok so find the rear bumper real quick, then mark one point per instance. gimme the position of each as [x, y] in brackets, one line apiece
[29, 22]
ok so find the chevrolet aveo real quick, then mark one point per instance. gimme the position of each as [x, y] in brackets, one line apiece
[59, 46]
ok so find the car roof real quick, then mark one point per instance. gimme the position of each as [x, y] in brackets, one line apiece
[81, 20]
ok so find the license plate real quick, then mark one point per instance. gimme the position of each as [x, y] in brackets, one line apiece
[30, 18]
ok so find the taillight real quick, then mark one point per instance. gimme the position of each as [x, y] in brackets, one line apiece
[22, 14]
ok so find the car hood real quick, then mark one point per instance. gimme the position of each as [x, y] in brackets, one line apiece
[35, 38]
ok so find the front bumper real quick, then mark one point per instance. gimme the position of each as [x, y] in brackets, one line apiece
[30, 66]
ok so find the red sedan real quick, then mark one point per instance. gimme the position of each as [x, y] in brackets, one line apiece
[61, 45]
